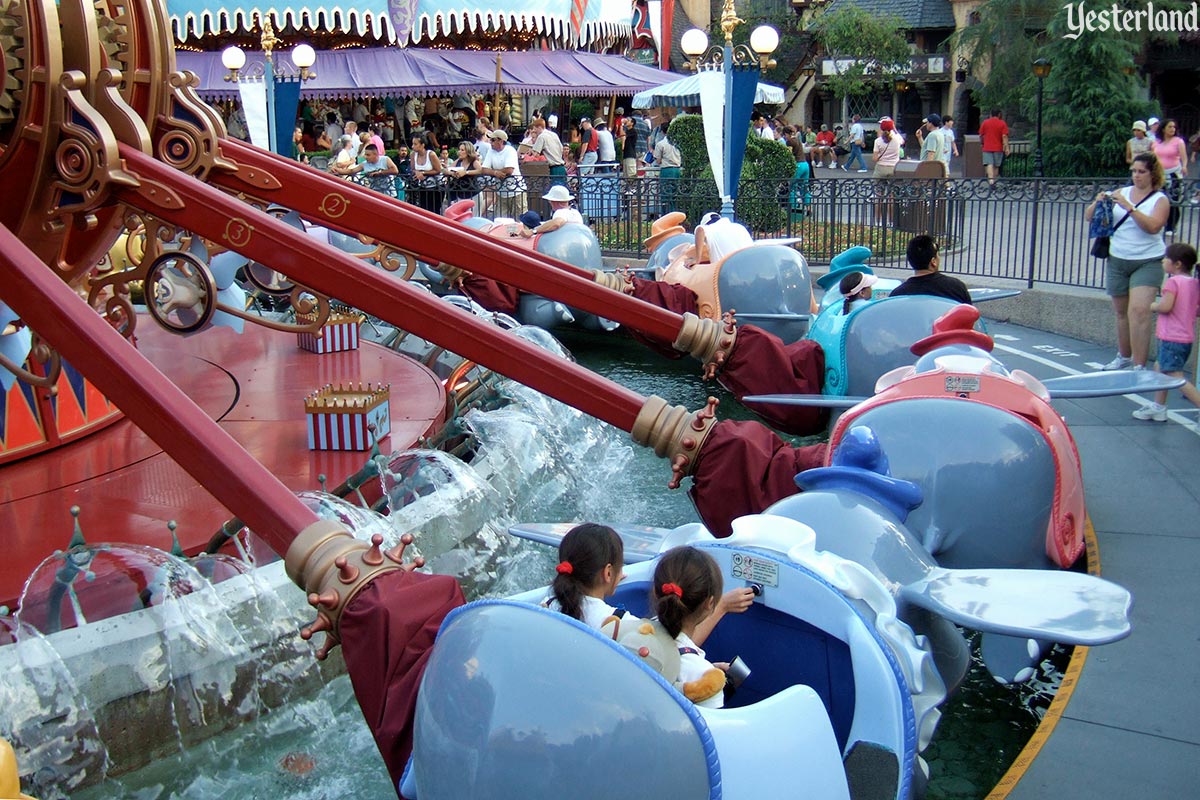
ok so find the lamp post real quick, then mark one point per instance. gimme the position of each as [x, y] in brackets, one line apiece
[734, 62]
[303, 57]
[1041, 70]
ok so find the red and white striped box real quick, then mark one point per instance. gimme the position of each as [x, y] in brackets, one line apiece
[340, 332]
[348, 416]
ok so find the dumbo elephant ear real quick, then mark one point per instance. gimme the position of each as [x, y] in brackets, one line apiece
[197, 248]
[232, 296]
[224, 267]
[263, 276]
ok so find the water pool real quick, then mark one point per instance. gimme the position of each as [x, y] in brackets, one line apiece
[320, 747]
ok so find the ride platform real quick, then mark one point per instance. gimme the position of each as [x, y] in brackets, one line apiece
[254, 385]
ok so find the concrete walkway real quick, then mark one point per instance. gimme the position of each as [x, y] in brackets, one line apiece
[1132, 728]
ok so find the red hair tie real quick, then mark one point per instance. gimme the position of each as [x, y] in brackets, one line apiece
[672, 588]
[565, 568]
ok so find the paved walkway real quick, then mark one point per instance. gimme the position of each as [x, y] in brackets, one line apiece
[1132, 728]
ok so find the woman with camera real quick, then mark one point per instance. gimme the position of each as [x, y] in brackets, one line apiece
[1136, 248]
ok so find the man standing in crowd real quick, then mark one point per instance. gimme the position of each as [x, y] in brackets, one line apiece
[857, 138]
[934, 147]
[642, 126]
[607, 148]
[993, 134]
[547, 143]
[629, 144]
[950, 142]
[589, 147]
[761, 128]
[669, 160]
[500, 162]
[926, 277]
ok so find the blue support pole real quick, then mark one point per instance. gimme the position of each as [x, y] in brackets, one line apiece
[729, 178]
[269, 84]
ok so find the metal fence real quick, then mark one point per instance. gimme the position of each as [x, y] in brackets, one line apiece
[1023, 229]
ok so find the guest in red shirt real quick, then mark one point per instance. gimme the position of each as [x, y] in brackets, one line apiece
[993, 133]
[823, 150]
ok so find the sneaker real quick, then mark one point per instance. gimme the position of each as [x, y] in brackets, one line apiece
[1153, 412]
[862, 170]
[1120, 362]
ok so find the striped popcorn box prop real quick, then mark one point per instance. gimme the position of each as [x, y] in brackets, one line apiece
[348, 416]
[340, 331]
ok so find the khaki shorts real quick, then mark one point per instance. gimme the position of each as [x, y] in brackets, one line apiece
[1123, 275]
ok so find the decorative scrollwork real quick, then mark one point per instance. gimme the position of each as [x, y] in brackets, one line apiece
[86, 159]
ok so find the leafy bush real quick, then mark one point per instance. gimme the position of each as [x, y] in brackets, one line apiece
[767, 164]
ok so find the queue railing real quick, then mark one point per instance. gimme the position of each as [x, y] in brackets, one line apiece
[1022, 229]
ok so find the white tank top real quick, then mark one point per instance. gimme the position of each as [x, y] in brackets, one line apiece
[1132, 243]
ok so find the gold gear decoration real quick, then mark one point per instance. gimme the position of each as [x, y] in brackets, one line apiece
[12, 34]
[114, 34]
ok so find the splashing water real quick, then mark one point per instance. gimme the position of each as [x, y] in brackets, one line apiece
[44, 715]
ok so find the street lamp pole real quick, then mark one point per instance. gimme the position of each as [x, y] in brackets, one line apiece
[1041, 70]
[303, 56]
[730, 59]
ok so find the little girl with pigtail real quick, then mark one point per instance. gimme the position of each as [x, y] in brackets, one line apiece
[590, 561]
[686, 599]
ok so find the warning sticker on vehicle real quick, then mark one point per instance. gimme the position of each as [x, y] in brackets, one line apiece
[958, 384]
[755, 570]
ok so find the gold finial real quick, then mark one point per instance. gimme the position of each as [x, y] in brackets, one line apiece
[729, 21]
[268, 40]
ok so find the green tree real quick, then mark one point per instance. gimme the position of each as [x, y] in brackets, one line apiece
[868, 49]
[1094, 100]
[1091, 96]
[1002, 45]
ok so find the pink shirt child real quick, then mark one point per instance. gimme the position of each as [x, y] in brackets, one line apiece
[1179, 324]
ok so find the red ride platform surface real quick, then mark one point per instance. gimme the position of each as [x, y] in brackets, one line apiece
[254, 385]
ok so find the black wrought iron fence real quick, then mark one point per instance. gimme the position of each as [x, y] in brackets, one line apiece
[1022, 229]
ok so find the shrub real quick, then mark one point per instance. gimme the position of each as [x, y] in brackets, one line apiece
[767, 164]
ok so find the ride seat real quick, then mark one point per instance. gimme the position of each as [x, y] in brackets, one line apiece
[790, 755]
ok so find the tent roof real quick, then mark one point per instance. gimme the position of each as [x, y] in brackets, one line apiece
[401, 21]
[685, 91]
[410, 71]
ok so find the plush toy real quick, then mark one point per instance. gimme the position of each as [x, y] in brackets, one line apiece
[653, 646]
[710, 684]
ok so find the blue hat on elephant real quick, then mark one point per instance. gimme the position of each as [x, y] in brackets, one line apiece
[850, 260]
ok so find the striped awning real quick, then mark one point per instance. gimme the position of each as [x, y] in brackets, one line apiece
[577, 22]
[413, 71]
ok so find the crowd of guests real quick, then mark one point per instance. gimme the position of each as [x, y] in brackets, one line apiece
[453, 151]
